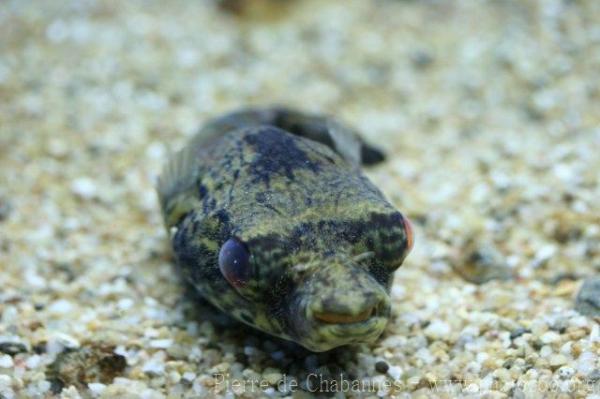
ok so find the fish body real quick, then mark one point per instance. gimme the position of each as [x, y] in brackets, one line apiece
[272, 221]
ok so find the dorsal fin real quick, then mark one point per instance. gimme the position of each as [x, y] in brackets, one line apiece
[327, 130]
[323, 129]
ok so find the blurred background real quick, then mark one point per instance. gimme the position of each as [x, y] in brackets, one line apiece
[488, 112]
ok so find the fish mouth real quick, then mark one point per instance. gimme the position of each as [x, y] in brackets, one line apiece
[344, 325]
[332, 318]
[322, 331]
[353, 331]
[325, 335]
[378, 307]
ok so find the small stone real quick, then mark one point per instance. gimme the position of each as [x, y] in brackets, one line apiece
[382, 366]
[174, 377]
[33, 362]
[481, 263]
[84, 187]
[6, 390]
[395, 372]
[89, 364]
[588, 298]
[189, 376]
[96, 388]
[543, 255]
[161, 343]
[557, 360]
[566, 372]
[502, 374]
[421, 59]
[594, 376]
[250, 350]
[437, 329]
[177, 351]
[272, 376]
[6, 362]
[125, 303]
[61, 306]
[538, 327]
[518, 332]
[154, 367]
[60, 341]
[550, 337]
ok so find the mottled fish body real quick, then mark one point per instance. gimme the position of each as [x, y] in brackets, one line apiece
[272, 221]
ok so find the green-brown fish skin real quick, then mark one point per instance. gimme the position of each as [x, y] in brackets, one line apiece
[320, 240]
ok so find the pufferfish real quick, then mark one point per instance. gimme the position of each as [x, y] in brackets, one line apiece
[272, 221]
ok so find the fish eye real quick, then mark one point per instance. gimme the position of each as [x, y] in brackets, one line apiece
[409, 239]
[395, 244]
[234, 262]
[410, 235]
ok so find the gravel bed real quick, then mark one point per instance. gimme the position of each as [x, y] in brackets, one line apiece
[488, 110]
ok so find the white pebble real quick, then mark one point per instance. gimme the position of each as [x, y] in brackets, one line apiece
[151, 333]
[550, 337]
[62, 306]
[154, 367]
[437, 329]
[471, 389]
[43, 386]
[125, 303]
[482, 357]
[34, 280]
[156, 150]
[6, 390]
[70, 393]
[84, 187]
[586, 363]
[486, 382]
[398, 292]
[174, 377]
[59, 342]
[546, 351]
[395, 372]
[96, 388]
[425, 355]
[579, 321]
[543, 255]
[538, 327]
[189, 376]
[595, 333]
[566, 349]
[33, 361]
[6, 362]
[161, 343]
[10, 315]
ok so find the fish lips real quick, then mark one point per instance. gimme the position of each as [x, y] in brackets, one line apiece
[318, 335]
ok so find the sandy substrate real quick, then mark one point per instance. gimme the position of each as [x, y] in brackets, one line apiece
[489, 112]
